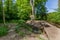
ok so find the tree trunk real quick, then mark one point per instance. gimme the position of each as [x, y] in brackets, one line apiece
[58, 5]
[33, 9]
[3, 17]
[3, 13]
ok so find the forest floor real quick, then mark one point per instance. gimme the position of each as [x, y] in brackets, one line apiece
[52, 33]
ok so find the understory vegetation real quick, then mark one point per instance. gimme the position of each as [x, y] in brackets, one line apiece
[23, 28]
[3, 30]
[54, 17]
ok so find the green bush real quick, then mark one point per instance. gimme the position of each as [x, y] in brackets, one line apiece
[1, 21]
[3, 30]
[22, 27]
[21, 21]
[54, 17]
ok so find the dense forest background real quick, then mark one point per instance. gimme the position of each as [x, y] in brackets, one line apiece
[17, 9]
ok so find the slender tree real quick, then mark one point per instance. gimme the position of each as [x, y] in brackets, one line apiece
[1, 15]
[33, 9]
[58, 5]
[2, 7]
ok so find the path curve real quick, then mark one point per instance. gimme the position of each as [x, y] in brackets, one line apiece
[53, 32]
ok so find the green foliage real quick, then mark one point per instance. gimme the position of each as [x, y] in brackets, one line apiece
[21, 21]
[3, 30]
[22, 24]
[41, 9]
[11, 10]
[22, 28]
[39, 1]
[1, 20]
[1, 17]
[24, 9]
[18, 9]
[24, 16]
[54, 17]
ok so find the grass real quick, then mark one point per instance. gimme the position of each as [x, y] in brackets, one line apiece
[3, 31]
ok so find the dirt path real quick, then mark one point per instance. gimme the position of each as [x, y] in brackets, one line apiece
[12, 35]
[38, 37]
[53, 32]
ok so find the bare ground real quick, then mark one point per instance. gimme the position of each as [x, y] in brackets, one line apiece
[52, 32]
[12, 35]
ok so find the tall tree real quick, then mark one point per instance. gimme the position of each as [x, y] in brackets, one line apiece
[58, 5]
[1, 15]
[33, 9]
[41, 9]
[11, 9]
[2, 11]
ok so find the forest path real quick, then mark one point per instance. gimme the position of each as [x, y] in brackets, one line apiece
[53, 32]
[12, 35]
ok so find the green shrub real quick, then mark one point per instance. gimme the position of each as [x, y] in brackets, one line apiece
[1, 21]
[3, 30]
[22, 27]
[21, 21]
[54, 17]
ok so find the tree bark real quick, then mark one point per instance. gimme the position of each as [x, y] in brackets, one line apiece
[3, 13]
[33, 9]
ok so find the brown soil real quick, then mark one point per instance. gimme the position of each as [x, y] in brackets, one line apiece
[52, 32]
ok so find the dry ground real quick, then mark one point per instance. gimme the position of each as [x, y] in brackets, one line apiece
[53, 33]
